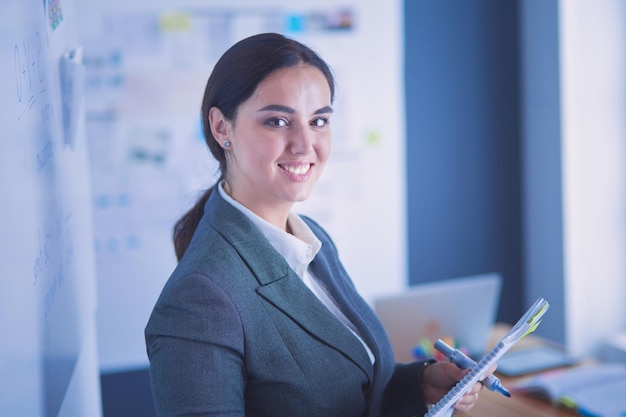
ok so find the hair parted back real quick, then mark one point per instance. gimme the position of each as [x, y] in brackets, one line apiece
[234, 79]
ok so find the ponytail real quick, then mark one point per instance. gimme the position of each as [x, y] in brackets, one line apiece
[186, 225]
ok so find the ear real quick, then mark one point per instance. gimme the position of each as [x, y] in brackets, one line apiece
[220, 126]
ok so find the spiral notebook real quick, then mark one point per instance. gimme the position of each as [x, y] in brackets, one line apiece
[527, 324]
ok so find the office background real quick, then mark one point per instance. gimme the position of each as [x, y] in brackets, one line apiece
[513, 161]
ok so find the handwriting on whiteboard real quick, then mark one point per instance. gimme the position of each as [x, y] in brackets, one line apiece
[29, 72]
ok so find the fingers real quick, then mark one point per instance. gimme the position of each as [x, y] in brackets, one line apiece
[467, 401]
[476, 388]
[441, 377]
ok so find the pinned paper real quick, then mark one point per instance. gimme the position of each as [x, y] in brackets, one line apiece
[72, 74]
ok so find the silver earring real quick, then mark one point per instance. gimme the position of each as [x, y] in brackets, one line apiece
[227, 144]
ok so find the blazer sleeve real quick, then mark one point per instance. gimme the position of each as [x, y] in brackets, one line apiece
[404, 396]
[195, 344]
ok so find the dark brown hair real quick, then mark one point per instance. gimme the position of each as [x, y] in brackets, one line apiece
[233, 80]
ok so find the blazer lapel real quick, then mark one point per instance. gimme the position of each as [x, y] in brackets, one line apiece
[293, 298]
[280, 285]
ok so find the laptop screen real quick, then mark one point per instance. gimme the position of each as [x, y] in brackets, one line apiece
[459, 309]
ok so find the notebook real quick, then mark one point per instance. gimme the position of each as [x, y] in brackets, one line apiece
[462, 308]
[595, 389]
[525, 325]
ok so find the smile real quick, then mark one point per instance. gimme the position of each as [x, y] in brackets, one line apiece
[296, 169]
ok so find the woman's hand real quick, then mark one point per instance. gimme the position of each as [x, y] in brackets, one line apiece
[440, 377]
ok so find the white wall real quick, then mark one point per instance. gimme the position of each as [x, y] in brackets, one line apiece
[593, 94]
[574, 55]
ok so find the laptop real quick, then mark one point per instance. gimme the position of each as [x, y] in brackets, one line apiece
[462, 310]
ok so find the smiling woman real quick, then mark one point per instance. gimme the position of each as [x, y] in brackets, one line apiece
[260, 317]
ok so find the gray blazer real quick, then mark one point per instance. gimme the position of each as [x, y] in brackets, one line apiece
[235, 332]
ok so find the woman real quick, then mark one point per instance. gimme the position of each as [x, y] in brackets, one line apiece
[260, 318]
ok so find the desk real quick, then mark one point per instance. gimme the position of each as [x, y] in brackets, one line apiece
[492, 404]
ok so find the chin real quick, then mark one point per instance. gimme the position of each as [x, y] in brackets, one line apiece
[300, 197]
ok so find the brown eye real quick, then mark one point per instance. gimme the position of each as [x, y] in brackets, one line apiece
[276, 122]
[319, 122]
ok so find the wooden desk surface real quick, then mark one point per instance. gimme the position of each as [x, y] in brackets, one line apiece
[492, 404]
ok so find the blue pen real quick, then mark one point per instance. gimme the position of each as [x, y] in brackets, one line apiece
[463, 361]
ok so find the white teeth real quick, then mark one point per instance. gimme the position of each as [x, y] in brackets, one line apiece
[297, 170]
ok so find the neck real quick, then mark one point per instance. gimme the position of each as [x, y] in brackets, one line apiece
[274, 214]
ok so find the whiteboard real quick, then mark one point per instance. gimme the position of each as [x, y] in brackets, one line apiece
[148, 62]
[48, 359]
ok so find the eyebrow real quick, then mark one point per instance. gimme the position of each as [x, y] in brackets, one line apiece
[285, 109]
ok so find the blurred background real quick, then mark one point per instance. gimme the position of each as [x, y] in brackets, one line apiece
[470, 137]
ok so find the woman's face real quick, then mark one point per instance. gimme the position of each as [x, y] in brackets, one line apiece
[280, 141]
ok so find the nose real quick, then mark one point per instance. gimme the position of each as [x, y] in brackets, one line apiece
[301, 140]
